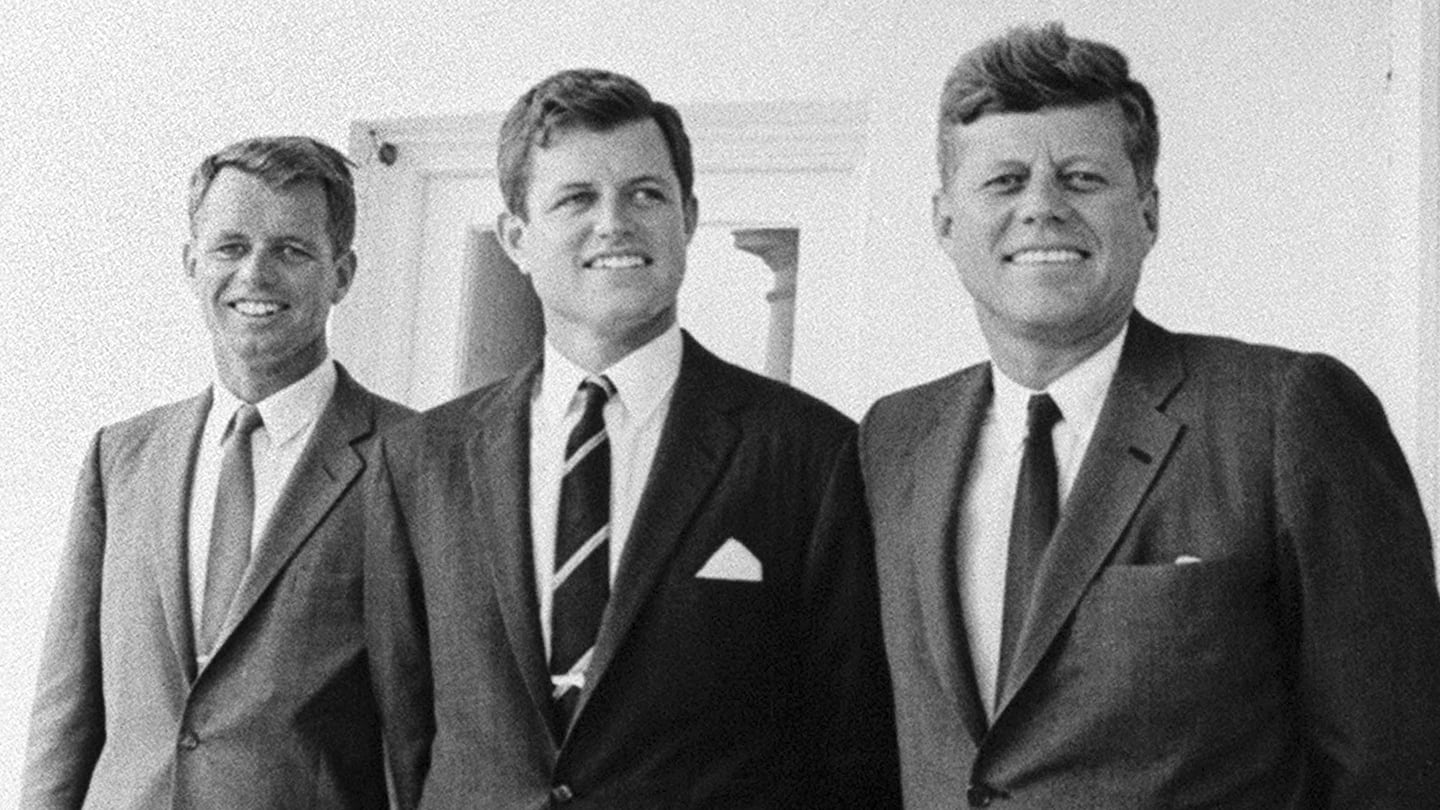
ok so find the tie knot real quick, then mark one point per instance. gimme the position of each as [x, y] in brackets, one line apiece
[1042, 415]
[247, 419]
[596, 391]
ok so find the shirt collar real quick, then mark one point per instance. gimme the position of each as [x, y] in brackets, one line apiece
[287, 412]
[1079, 392]
[641, 378]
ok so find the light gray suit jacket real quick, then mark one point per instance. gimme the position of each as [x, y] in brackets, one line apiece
[1297, 664]
[282, 715]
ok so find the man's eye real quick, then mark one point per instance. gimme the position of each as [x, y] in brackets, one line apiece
[575, 200]
[291, 253]
[229, 250]
[1084, 181]
[1004, 182]
[650, 195]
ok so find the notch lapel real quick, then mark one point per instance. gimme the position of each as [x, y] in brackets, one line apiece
[498, 460]
[325, 470]
[170, 461]
[1133, 439]
[938, 472]
[697, 439]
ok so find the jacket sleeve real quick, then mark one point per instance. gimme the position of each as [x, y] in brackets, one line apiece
[1362, 601]
[397, 636]
[850, 711]
[67, 722]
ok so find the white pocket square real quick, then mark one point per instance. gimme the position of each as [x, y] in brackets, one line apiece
[732, 561]
[1186, 559]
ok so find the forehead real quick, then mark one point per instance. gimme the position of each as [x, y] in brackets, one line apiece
[578, 155]
[1061, 134]
[239, 200]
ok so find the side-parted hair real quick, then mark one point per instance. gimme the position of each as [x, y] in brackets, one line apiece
[595, 100]
[282, 161]
[1029, 69]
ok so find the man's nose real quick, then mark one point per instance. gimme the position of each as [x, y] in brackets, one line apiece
[1044, 200]
[258, 265]
[613, 216]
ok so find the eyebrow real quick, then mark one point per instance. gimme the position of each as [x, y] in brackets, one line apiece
[284, 238]
[638, 179]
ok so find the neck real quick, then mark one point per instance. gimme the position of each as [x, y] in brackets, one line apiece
[595, 351]
[1035, 361]
[252, 383]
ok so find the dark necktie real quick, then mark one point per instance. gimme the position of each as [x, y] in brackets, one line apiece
[231, 528]
[1037, 504]
[581, 585]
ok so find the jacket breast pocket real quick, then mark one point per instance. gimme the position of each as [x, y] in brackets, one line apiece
[1178, 639]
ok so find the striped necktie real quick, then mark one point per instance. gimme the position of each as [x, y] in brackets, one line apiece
[581, 585]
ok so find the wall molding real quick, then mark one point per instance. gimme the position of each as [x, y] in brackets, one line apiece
[726, 137]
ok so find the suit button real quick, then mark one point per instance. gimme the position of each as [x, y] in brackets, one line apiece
[189, 741]
[562, 794]
[982, 795]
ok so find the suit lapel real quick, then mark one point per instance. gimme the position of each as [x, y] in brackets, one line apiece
[1132, 440]
[695, 442]
[938, 471]
[498, 460]
[325, 469]
[170, 461]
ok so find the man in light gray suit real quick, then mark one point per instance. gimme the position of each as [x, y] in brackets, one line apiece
[205, 647]
[1122, 567]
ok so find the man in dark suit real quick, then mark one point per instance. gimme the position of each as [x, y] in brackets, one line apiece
[205, 646]
[1122, 567]
[632, 575]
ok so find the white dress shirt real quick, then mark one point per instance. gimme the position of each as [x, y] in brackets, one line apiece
[644, 382]
[989, 498]
[289, 416]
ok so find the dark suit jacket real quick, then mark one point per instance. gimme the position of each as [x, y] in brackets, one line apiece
[281, 716]
[702, 693]
[1296, 665]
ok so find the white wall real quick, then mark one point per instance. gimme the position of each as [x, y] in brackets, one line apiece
[1273, 179]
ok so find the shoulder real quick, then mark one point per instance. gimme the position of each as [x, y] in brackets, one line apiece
[758, 402]
[456, 420]
[385, 412]
[915, 410]
[1228, 367]
[160, 423]
[350, 394]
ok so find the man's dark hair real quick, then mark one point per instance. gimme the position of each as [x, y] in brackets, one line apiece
[595, 100]
[1029, 69]
[282, 161]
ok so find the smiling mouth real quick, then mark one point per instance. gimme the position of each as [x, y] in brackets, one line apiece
[1048, 256]
[618, 261]
[257, 309]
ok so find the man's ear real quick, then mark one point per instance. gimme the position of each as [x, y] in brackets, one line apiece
[692, 216]
[344, 275]
[1150, 211]
[510, 230]
[941, 217]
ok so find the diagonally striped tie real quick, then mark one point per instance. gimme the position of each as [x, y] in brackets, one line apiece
[581, 585]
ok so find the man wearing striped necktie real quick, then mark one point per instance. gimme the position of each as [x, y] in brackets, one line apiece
[632, 575]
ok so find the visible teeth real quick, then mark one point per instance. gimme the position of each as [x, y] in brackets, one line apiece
[618, 262]
[256, 308]
[1046, 256]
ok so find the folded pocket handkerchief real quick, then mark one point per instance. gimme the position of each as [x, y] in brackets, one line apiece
[734, 562]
